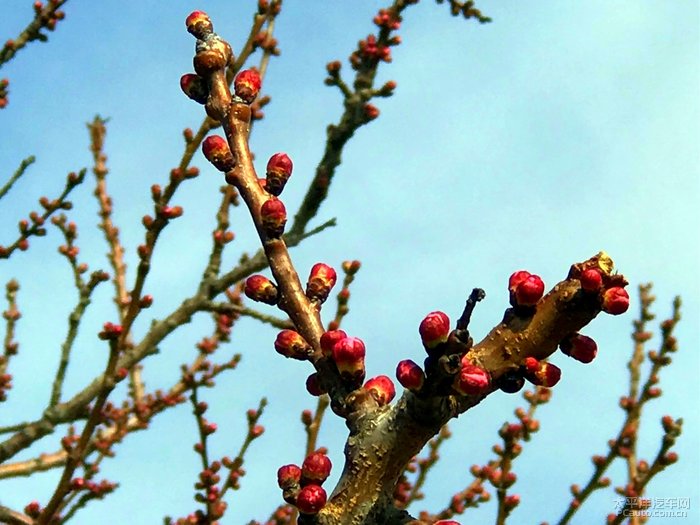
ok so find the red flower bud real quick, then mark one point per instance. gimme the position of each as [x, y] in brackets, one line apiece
[288, 476]
[247, 85]
[279, 169]
[591, 280]
[291, 344]
[541, 373]
[446, 522]
[616, 300]
[351, 267]
[349, 357]
[199, 24]
[315, 469]
[580, 347]
[516, 278]
[313, 385]
[321, 279]
[528, 290]
[110, 331]
[472, 380]
[274, 217]
[194, 87]
[329, 339]
[410, 375]
[311, 499]
[216, 150]
[434, 329]
[260, 288]
[382, 388]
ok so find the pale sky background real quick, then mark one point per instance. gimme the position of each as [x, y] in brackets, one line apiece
[560, 129]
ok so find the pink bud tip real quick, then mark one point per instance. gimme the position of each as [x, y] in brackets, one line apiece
[410, 375]
[291, 344]
[616, 300]
[329, 339]
[434, 329]
[260, 288]
[311, 499]
[216, 151]
[472, 380]
[194, 87]
[199, 24]
[247, 85]
[315, 469]
[321, 279]
[288, 476]
[279, 169]
[591, 280]
[349, 356]
[382, 388]
[274, 217]
[580, 347]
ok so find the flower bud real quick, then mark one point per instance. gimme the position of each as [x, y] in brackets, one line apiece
[410, 375]
[315, 469]
[528, 290]
[110, 331]
[313, 385]
[199, 24]
[288, 476]
[216, 150]
[349, 357]
[580, 347]
[472, 380]
[247, 85]
[434, 329]
[511, 382]
[329, 339]
[279, 169]
[382, 388]
[541, 373]
[311, 499]
[616, 300]
[194, 87]
[591, 280]
[291, 344]
[274, 217]
[260, 288]
[321, 279]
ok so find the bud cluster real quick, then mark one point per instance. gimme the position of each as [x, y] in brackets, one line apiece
[301, 487]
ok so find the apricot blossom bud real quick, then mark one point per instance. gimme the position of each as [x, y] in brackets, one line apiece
[261, 289]
[199, 24]
[410, 375]
[511, 381]
[434, 329]
[279, 169]
[591, 280]
[321, 279]
[541, 373]
[472, 380]
[329, 339]
[580, 347]
[291, 344]
[311, 499]
[528, 290]
[247, 85]
[273, 216]
[110, 331]
[616, 300]
[288, 476]
[313, 385]
[315, 469]
[349, 357]
[382, 388]
[194, 87]
[216, 151]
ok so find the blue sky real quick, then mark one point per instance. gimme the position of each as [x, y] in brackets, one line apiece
[533, 142]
